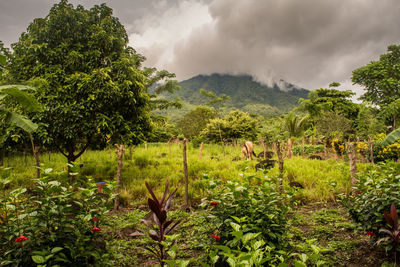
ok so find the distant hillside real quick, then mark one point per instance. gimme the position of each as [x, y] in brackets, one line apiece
[245, 93]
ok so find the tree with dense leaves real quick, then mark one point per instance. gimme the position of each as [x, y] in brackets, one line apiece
[381, 79]
[92, 89]
[330, 100]
[236, 125]
[195, 121]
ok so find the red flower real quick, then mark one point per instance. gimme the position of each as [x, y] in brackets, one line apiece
[21, 239]
[217, 238]
[95, 229]
[360, 192]
[371, 234]
[214, 203]
[95, 219]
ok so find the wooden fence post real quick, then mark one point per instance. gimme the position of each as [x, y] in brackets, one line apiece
[280, 163]
[303, 142]
[120, 156]
[185, 171]
[353, 167]
[371, 150]
[264, 148]
[201, 150]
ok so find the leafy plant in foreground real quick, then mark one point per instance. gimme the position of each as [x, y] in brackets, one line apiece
[394, 232]
[160, 225]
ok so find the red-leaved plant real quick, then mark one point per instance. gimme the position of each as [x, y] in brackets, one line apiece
[394, 232]
[159, 225]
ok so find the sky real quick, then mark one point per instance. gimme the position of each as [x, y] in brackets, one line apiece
[309, 43]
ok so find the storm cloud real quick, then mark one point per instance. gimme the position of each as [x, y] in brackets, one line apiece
[309, 43]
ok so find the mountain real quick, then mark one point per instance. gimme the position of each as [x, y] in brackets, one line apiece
[245, 93]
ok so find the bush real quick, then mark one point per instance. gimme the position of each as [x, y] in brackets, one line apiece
[308, 149]
[378, 188]
[53, 223]
[264, 208]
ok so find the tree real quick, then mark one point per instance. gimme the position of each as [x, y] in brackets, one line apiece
[330, 100]
[195, 121]
[295, 124]
[93, 88]
[215, 101]
[369, 121]
[236, 125]
[330, 123]
[381, 78]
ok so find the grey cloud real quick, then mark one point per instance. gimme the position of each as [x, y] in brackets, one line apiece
[308, 42]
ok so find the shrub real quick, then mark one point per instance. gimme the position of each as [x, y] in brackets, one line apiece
[257, 200]
[56, 223]
[377, 189]
[308, 149]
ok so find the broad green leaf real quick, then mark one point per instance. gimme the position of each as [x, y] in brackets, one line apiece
[38, 259]
[56, 249]
[392, 137]
[249, 236]
[235, 226]
[299, 264]
[22, 122]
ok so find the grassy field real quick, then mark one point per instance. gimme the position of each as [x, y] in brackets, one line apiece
[157, 162]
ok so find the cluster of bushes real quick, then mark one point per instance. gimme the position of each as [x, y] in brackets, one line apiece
[249, 218]
[377, 189]
[308, 149]
[55, 222]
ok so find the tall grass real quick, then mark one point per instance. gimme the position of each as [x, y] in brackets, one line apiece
[157, 162]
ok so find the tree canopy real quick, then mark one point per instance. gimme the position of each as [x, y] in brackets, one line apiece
[381, 78]
[330, 100]
[91, 85]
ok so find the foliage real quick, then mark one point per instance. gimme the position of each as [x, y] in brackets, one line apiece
[249, 249]
[236, 125]
[330, 123]
[391, 138]
[295, 124]
[215, 101]
[338, 146]
[162, 129]
[195, 121]
[308, 149]
[394, 231]
[257, 200]
[90, 83]
[368, 122]
[377, 189]
[158, 247]
[60, 221]
[330, 100]
[381, 78]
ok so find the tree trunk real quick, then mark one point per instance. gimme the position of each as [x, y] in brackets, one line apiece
[280, 162]
[303, 142]
[35, 151]
[2, 157]
[353, 167]
[220, 136]
[289, 149]
[394, 121]
[201, 150]
[185, 171]
[130, 153]
[326, 148]
[371, 150]
[120, 156]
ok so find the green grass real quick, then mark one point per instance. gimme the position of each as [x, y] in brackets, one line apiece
[322, 180]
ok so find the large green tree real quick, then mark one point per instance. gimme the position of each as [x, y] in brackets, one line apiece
[92, 85]
[196, 120]
[330, 100]
[236, 125]
[381, 80]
